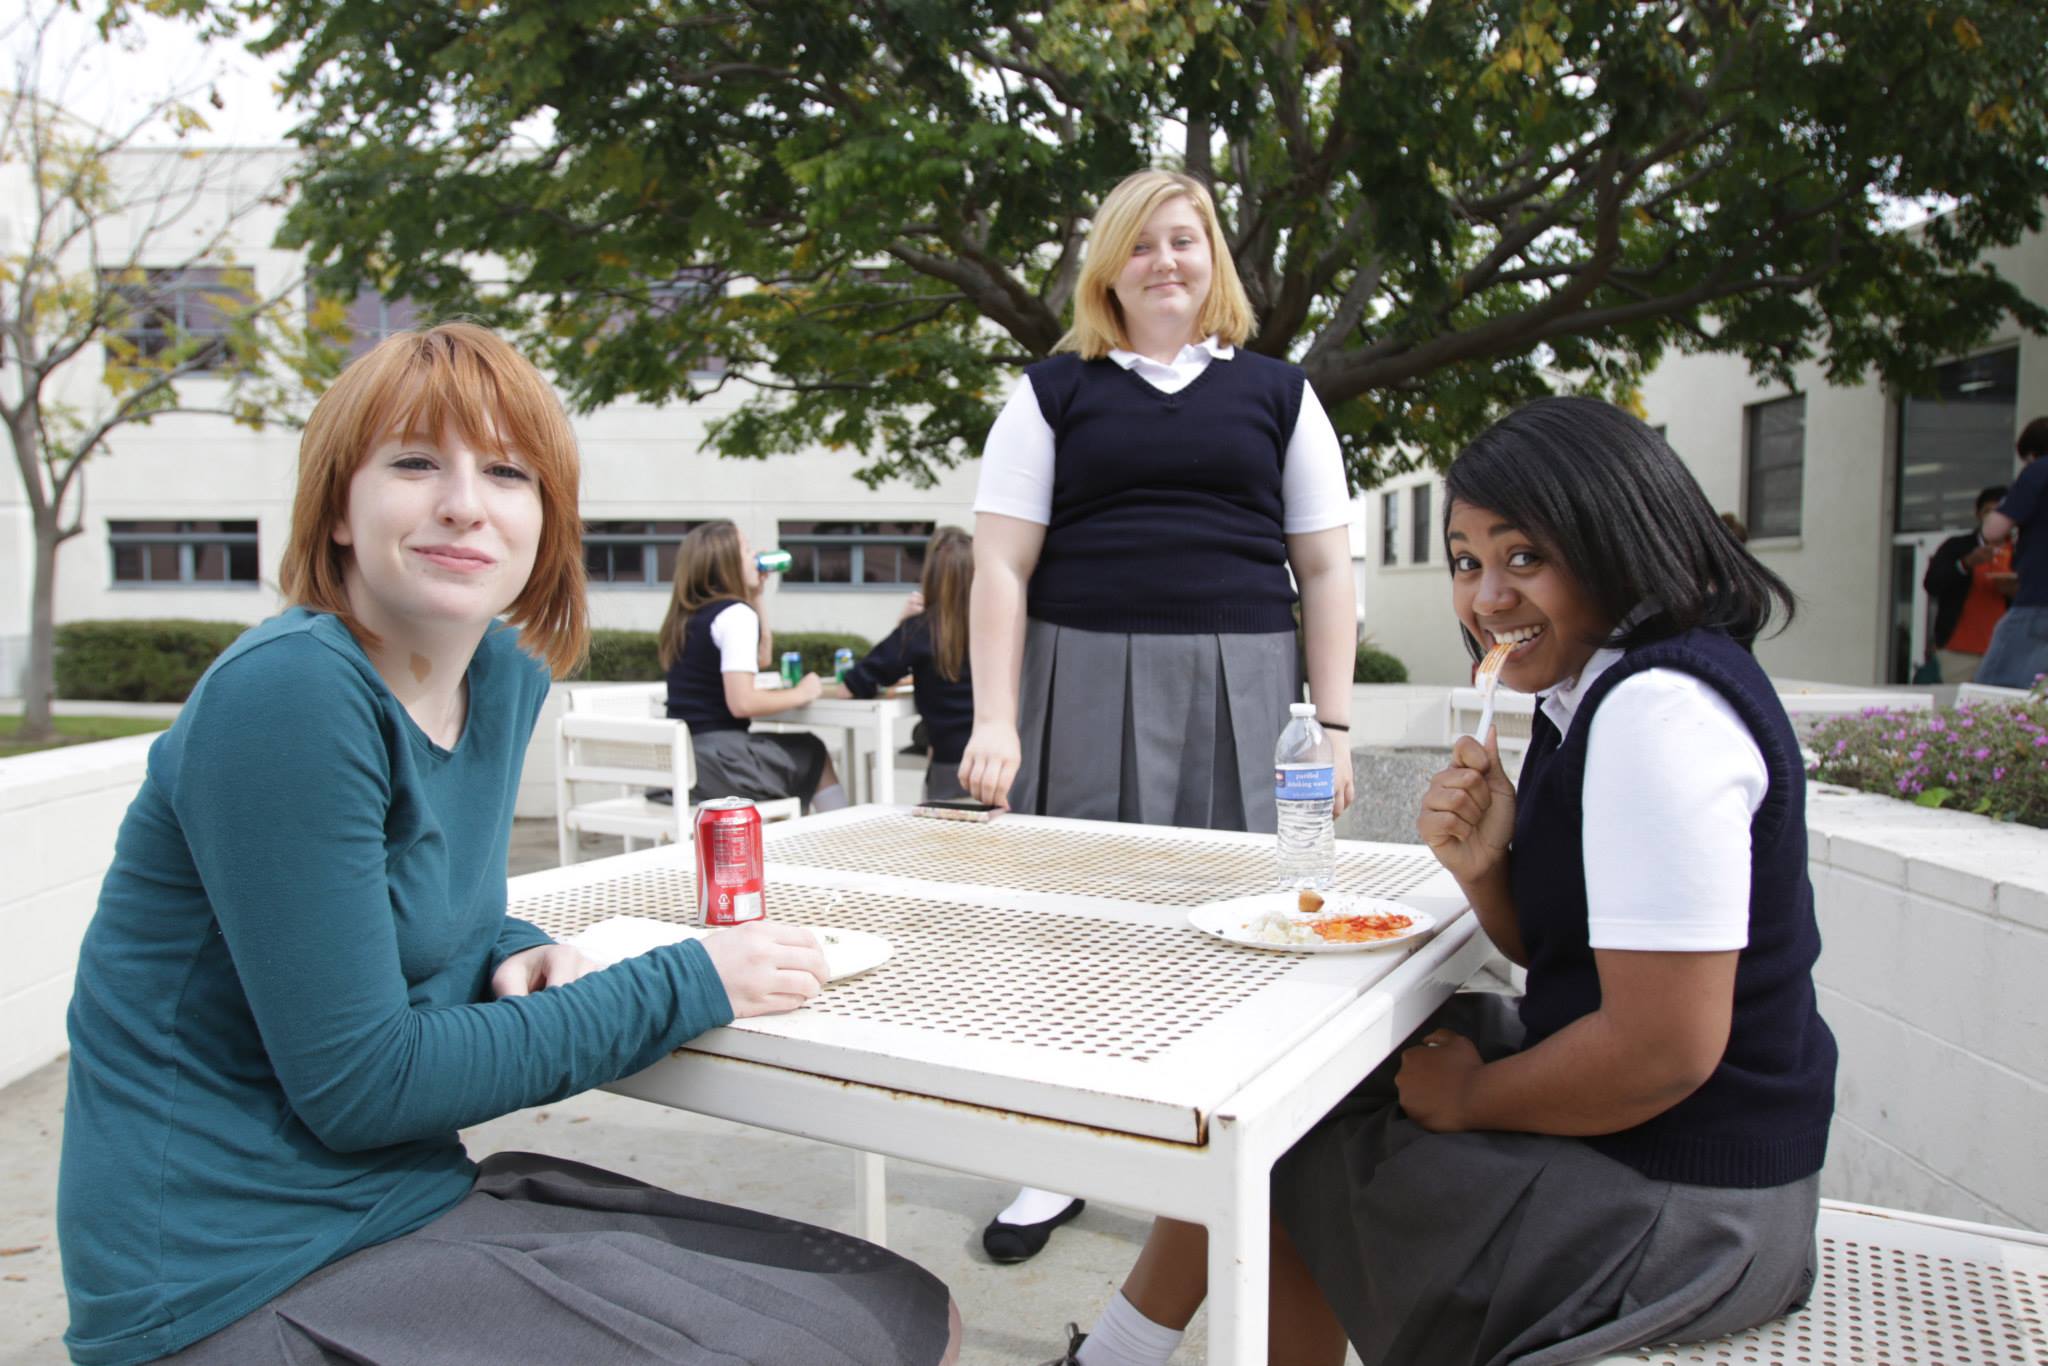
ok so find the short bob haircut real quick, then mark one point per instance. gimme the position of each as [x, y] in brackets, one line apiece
[1099, 319]
[1609, 499]
[455, 378]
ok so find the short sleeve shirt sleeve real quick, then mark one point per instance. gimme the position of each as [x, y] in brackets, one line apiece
[1673, 781]
[736, 631]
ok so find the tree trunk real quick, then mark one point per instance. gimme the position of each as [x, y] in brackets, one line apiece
[39, 681]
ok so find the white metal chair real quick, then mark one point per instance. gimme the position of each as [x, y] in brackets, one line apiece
[1898, 1287]
[631, 753]
[643, 700]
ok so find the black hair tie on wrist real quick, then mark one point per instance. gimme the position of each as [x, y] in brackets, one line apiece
[1333, 725]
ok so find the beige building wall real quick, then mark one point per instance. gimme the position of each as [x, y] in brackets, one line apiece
[1840, 562]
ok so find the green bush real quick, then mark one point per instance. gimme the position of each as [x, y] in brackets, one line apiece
[1375, 665]
[623, 657]
[1988, 759]
[137, 661]
[633, 656]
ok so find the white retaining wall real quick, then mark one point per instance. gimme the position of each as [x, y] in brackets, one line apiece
[59, 812]
[1934, 976]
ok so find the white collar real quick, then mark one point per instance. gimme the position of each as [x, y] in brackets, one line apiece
[1561, 703]
[1207, 349]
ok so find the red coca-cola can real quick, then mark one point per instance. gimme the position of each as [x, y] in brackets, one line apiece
[729, 876]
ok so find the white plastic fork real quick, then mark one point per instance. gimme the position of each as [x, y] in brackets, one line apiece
[1489, 681]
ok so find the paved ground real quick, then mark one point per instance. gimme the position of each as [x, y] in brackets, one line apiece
[1014, 1314]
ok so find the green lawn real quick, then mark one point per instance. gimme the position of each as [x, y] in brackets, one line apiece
[77, 730]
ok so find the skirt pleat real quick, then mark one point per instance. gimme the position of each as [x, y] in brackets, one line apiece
[1152, 729]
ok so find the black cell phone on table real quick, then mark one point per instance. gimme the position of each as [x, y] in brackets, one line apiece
[956, 809]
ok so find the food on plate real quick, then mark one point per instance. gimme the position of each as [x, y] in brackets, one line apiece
[1360, 929]
[1309, 901]
[1284, 927]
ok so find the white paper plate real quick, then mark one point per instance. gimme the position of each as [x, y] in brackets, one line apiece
[627, 936]
[1231, 920]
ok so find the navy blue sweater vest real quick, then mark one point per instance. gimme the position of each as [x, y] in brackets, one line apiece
[1166, 508]
[696, 684]
[947, 709]
[1762, 1118]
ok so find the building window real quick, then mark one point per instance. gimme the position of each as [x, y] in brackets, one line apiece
[1418, 533]
[370, 317]
[854, 554]
[171, 308]
[1390, 528]
[1955, 440]
[1775, 434]
[633, 554]
[158, 554]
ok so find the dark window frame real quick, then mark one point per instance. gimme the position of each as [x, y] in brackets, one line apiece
[169, 304]
[1419, 498]
[189, 538]
[807, 548]
[1390, 528]
[657, 540]
[1784, 517]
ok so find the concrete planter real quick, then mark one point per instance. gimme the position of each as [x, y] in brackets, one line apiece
[59, 812]
[1934, 929]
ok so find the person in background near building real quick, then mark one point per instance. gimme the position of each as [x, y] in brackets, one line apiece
[930, 644]
[2019, 647]
[1630, 1152]
[1969, 582]
[1144, 494]
[713, 641]
[301, 980]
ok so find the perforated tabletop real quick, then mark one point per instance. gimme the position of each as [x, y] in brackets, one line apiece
[1040, 966]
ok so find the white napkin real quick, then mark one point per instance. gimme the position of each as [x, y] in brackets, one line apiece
[627, 936]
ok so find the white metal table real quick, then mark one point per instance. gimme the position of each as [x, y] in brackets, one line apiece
[870, 720]
[1049, 1016]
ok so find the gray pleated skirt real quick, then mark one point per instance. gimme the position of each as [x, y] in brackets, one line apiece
[1483, 1249]
[745, 763]
[549, 1261]
[1154, 729]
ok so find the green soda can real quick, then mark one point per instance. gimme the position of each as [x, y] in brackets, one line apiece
[774, 561]
[792, 668]
[842, 663]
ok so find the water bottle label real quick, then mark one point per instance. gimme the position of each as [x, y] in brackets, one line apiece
[1304, 784]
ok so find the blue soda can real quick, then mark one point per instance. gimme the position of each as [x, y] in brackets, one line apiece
[792, 668]
[842, 662]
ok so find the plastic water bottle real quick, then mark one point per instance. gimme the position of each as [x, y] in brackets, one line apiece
[1304, 788]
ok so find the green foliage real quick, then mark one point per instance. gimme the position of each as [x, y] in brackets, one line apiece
[138, 661]
[76, 730]
[623, 657]
[1988, 759]
[1375, 665]
[874, 209]
[633, 657]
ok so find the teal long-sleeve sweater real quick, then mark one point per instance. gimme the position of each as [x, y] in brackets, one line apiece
[283, 1013]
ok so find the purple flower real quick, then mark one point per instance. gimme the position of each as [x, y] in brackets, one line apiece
[1905, 785]
[1841, 745]
[1951, 775]
[1980, 754]
[1997, 775]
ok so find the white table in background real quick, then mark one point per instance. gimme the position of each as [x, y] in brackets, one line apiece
[881, 722]
[1049, 1016]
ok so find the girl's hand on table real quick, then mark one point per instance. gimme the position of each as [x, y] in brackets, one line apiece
[766, 967]
[1435, 1078]
[989, 763]
[535, 969]
[1468, 814]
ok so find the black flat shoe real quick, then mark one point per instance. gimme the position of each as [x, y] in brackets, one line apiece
[1021, 1242]
[1075, 1337]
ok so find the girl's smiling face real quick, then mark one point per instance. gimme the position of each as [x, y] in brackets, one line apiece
[444, 534]
[1504, 586]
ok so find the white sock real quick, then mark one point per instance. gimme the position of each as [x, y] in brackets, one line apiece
[1033, 1206]
[1124, 1337]
[828, 798]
